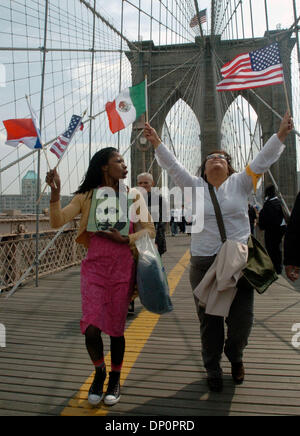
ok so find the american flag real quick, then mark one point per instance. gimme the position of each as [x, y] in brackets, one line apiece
[61, 143]
[258, 68]
[194, 20]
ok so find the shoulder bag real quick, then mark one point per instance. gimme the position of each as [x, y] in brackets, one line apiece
[259, 272]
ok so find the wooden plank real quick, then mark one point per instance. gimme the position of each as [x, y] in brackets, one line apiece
[45, 363]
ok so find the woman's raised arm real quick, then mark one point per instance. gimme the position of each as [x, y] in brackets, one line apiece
[166, 160]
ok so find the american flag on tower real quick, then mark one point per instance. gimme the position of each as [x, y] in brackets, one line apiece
[61, 143]
[194, 21]
[258, 68]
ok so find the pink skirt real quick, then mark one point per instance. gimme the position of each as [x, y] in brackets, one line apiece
[107, 283]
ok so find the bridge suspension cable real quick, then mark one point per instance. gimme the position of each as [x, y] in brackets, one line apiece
[85, 46]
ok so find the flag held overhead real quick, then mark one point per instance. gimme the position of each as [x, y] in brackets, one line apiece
[127, 107]
[256, 69]
[195, 21]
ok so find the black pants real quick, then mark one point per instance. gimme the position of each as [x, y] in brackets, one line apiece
[212, 330]
[273, 238]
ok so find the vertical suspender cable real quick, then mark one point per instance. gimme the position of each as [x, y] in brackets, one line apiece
[267, 16]
[297, 35]
[92, 82]
[251, 16]
[38, 187]
[139, 22]
[243, 26]
[121, 56]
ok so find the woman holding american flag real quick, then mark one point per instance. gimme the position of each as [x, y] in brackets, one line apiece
[232, 190]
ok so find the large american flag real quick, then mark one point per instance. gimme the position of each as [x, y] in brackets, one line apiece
[194, 21]
[258, 68]
[61, 143]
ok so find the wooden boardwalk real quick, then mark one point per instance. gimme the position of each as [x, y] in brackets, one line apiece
[45, 369]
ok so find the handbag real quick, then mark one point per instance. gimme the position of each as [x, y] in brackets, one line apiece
[259, 272]
[151, 277]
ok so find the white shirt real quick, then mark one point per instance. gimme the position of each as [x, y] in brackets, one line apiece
[176, 214]
[232, 196]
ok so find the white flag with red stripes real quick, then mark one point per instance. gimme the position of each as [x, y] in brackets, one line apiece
[62, 142]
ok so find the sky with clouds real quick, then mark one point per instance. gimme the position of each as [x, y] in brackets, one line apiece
[68, 84]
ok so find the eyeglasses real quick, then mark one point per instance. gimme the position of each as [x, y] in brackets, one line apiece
[216, 156]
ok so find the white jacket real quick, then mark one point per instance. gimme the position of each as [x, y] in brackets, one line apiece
[232, 196]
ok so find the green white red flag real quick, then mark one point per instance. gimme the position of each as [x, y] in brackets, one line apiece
[127, 107]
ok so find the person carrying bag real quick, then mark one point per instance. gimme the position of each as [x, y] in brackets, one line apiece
[232, 190]
[152, 280]
[259, 271]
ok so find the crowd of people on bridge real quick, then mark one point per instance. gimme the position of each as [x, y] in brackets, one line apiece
[109, 269]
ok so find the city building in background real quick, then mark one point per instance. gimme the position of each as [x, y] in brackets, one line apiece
[25, 202]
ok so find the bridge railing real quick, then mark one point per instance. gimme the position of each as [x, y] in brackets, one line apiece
[17, 254]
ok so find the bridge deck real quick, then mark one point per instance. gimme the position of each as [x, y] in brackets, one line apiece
[45, 370]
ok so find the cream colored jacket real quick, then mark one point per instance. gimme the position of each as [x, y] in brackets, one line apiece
[217, 289]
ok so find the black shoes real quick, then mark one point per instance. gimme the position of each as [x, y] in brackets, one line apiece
[215, 384]
[113, 393]
[238, 372]
[95, 395]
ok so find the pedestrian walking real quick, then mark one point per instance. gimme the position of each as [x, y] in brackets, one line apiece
[108, 270]
[157, 209]
[232, 190]
[292, 243]
[271, 220]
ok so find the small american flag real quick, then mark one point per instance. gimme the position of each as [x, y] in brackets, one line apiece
[61, 143]
[258, 68]
[194, 21]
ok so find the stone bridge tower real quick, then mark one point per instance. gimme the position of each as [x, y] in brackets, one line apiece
[205, 101]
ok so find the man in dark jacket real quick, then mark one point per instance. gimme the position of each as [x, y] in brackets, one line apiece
[271, 220]
[292, 243]
[145, 180]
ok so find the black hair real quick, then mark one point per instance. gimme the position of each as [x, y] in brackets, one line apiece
[94, 175]
[201, 170]
[270, 191]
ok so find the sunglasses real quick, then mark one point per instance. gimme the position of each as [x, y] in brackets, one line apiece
[216, 156]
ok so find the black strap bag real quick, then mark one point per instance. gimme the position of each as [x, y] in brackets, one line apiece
[259, 272]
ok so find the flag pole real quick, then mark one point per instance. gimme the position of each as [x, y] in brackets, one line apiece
[146, 98]
[286, 96]
[59, 160]
[43, 148]
[271, 109]
[285, 88]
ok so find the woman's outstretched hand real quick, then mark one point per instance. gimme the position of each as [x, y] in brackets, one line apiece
[286, 127]
[151, 135]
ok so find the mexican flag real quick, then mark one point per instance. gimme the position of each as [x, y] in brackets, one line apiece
[128, 106]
